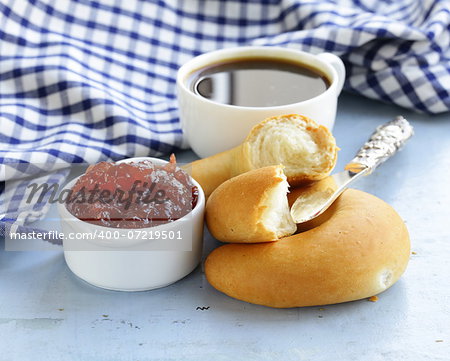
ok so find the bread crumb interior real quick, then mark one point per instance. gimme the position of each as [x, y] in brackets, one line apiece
[276, 216]
[293, 144]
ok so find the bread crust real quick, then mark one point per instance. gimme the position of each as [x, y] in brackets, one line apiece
[234, 210]
[361, 249]
[321, 135]
[212, 171]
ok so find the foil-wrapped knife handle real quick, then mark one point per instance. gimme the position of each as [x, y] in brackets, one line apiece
[382, 144]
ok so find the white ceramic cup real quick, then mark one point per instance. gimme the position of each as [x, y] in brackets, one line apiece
[115, 261]
[212, 127]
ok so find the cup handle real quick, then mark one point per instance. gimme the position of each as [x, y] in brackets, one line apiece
[338, 65]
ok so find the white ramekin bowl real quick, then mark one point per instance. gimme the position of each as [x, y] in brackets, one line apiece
[117, 262]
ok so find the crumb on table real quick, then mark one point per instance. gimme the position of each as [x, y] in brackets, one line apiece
[373, 298]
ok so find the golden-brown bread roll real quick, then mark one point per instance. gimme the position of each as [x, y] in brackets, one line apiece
[251, 207]
[360, 250]
[307, 150]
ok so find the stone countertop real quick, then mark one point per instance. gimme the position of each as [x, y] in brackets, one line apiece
[47, 313]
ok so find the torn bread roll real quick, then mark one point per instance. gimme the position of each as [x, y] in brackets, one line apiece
[361, 249]
[251, 207]
[307, 150]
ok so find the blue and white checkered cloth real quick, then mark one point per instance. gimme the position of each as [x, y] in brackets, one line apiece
[91, 80]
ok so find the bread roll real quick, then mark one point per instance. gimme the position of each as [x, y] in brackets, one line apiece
[360, 250]
[307, 150]
[251, 207]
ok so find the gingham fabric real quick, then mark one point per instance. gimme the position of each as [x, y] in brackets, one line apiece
[89, 80]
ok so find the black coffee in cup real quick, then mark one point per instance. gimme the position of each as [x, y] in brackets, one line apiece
[258, 82]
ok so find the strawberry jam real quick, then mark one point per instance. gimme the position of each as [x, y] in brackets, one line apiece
[132, 195]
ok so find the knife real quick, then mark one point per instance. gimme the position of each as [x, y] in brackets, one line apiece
[382, 144]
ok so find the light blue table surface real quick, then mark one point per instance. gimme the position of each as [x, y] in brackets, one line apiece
[47, 313]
